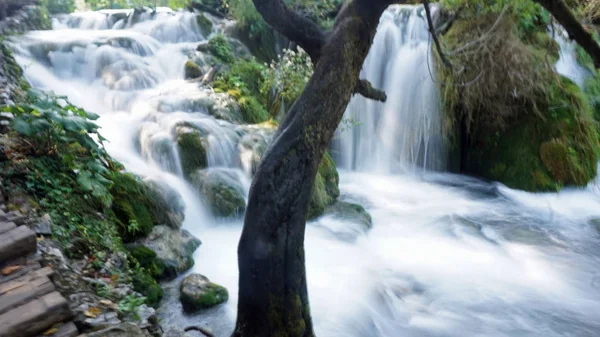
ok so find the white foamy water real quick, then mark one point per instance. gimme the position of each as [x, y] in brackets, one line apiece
[447, 256]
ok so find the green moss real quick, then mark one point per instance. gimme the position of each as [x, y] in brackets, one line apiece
[192, 70]
[147, 260]
[204, 24]
[135, 210]
[538, 154]
[192, 152]
[144, 284]
[243, 82]
[326, 188]
[252, 111]
[201, 294]
[220, 48]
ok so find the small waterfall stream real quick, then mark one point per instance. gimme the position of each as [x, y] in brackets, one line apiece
[407, 129]
[448, 255]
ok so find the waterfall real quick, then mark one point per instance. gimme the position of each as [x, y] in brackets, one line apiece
[567, 64]
[447, 256]
[407, 129]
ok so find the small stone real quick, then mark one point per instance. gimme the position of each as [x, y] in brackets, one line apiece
[43, 227]
[197, 292]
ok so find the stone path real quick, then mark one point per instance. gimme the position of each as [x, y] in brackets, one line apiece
[30, 306]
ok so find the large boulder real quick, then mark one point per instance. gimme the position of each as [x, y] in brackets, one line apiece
[197, 293]
[191, 70]
[173, 249]
[222, 190]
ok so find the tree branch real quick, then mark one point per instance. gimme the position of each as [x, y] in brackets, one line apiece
[365, 88]
[292, 25]
[561, 12]
[438, 47]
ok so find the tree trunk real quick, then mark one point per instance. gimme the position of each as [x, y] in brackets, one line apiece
[561, 12]
[273, 299]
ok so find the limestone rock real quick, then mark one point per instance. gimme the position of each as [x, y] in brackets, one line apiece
[197, 292]
[173, 248]
[222, 190]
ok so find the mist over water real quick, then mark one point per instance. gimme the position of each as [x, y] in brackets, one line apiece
[448, 255]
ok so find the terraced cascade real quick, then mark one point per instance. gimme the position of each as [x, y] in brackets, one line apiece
[404, 250]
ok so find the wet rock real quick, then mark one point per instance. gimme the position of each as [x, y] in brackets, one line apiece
[121, 330]
[102, 321]
[253, 145]
[173, 248]
[197, 292]
[204, 24]
[169, 201]
[222, 190]
[345, 220]
[192, 147]
[191, 70]
[43, 226]
[146, 315]
[350, 212]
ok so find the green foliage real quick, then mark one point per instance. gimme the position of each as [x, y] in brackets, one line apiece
[129, 305]
[147, 286]
[220, 48]
[530, 16]
[244, 82]
[59, 6]
[135, 209]
[285, 79]
[147, 259]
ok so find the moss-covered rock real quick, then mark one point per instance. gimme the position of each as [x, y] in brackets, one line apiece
[173, 251]
[538, 154]
[222, 190]
[192, 147]
[326, 188]
[204, 24]
[346, 220]
[132, 206]
[192, 71]
[146, 257]
[521, 123]
[147, 286]
[197, 293]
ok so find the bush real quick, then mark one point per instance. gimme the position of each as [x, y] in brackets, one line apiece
[219, 47]
[244, 82]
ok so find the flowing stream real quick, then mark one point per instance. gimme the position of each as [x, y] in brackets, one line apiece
[448, 255]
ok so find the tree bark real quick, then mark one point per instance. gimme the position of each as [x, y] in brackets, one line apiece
[273, 298]
[561, 12]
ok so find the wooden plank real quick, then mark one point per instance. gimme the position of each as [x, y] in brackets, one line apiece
[17, 242]
[24, 293]
[66, 330]
[29, 267]
[6, 226]
[15, 217]
[35, 317]
[32, 276]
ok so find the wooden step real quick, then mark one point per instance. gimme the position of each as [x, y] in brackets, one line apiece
[19, 266]
[66, 330]
[6, 226]
[35, 317]
[15, 217]
[18, 242]
[25, 292]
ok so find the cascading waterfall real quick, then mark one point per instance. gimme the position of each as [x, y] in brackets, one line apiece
[447, 255]
[407, 129]
[567, 63]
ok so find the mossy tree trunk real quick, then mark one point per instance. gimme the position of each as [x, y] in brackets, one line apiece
[273, 299]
